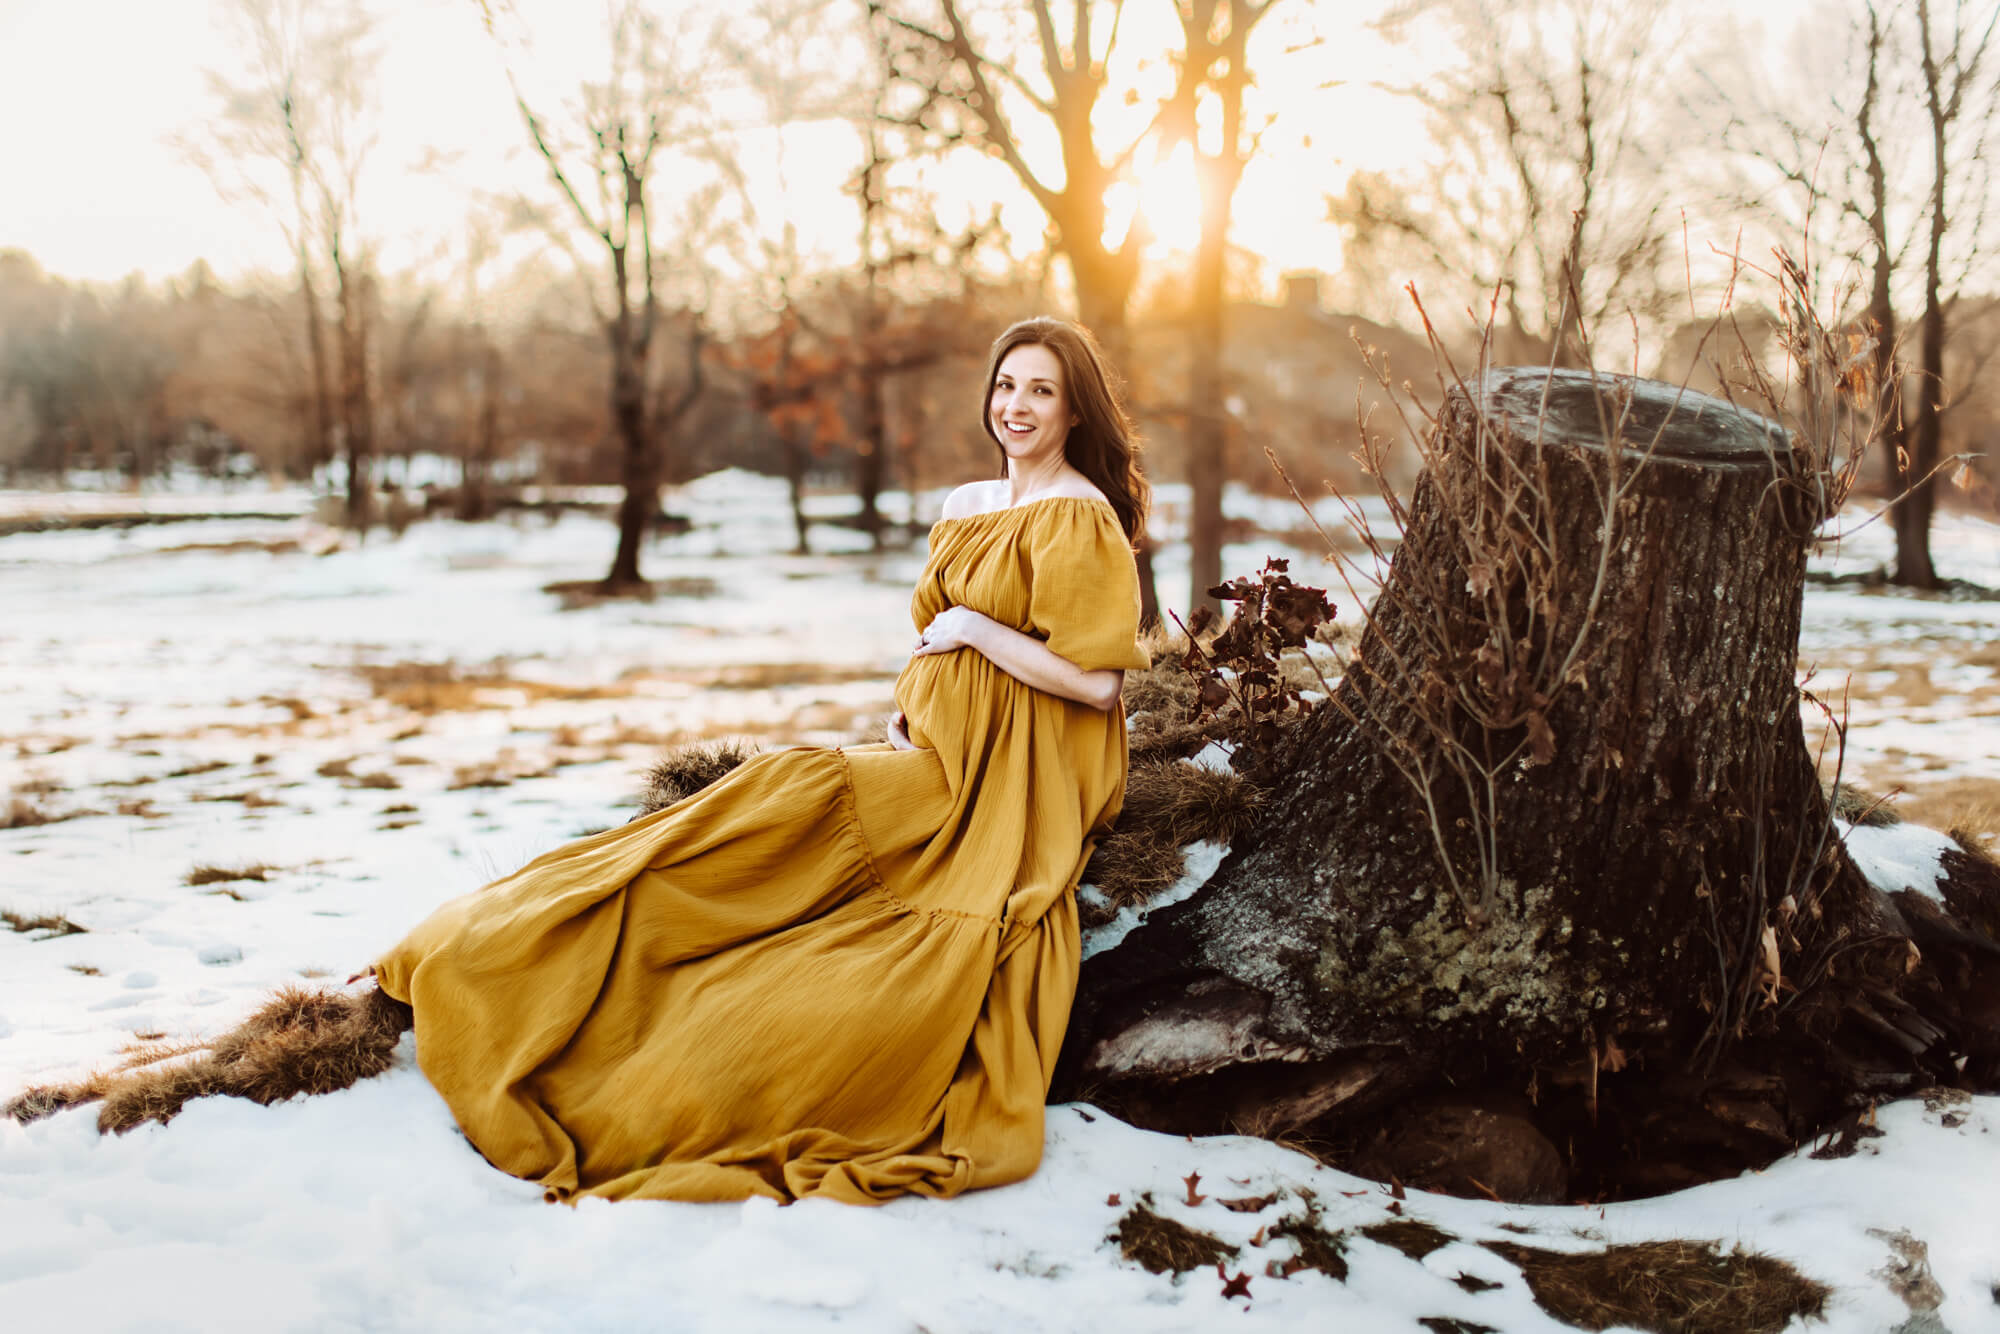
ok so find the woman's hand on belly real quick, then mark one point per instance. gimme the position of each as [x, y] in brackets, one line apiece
[1022, 656]
[899, 732]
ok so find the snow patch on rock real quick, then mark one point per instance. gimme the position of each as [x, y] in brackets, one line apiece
[1201, 859]
[1898, 856]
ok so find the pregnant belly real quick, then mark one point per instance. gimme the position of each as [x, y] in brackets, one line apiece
[943, 694]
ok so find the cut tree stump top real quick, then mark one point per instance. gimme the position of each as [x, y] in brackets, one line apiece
[1690, 427]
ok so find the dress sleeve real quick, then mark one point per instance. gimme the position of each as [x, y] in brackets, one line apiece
[1084, 587]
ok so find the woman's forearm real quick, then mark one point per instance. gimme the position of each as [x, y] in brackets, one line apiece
[1033, 663]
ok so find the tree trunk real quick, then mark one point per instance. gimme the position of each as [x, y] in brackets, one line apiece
[795, 488]
[482, 438]
[320, 445]
[1634, 871]
[357, 408]
[1207, 418]
[1102, 307]
[639, 470]
[873, 451]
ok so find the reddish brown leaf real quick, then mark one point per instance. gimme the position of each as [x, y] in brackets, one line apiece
[1248, 1204]
[1541, 741]
[1193, 1179]
[1233, 1287]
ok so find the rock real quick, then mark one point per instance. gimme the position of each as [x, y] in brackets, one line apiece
[1470, 1148]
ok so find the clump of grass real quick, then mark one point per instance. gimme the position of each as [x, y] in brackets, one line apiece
[684, 771]
[1132, 866]
[336, 769]
[191, 770]
[1186, 803]
[469, 776]
[300, 1041]
[28, 924]
[1168, 805]
[380, 782]
[1318, 1248]
[1163, 1246]
[1672, 1287]
[1412, 1236]
[205, 874]
[1855, 806]
[21, 813]
[1446, 1324]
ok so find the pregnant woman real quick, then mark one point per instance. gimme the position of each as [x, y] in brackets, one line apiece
[840, 973]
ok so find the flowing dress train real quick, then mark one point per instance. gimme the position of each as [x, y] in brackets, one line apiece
[841, 973]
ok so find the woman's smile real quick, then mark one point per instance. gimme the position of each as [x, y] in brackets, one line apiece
[1030, 408]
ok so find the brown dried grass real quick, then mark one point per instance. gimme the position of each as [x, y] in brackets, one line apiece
[22, 813]
[300, 1041]
[1969, 807]
[1412, 1236]
[445, 687]
[1672, 1287]
[1318, 1248]
[1168, 805]
[1131, 866]
[221, 875]
[25, 924]
[1860, 807]
[1163, 1246]
[686, 770]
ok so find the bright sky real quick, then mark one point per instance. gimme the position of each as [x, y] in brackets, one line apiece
[94, 93]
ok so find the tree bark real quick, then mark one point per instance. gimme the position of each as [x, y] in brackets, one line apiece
[357, 404]
[319, 417]
[1918, 498]
[639, 468]
[1636, 871]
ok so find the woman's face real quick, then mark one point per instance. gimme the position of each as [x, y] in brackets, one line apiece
[1029, 410]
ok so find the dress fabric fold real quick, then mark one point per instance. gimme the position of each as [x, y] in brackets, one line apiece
[835, 973]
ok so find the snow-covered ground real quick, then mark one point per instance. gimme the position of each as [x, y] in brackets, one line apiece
[363, 730]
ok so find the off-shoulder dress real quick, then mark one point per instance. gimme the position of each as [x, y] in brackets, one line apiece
[836, 973]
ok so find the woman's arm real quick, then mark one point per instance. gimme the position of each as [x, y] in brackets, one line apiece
[1022, 656]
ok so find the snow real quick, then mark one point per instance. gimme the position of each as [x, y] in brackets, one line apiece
[212, 679]
[1201, 861]
[1898, 856]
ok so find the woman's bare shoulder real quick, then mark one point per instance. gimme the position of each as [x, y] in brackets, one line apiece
[975, 498]
[1077, 488]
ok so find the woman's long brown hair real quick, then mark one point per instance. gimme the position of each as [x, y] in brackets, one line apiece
[1103, 445]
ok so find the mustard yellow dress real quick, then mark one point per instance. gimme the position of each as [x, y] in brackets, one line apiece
[836, 973]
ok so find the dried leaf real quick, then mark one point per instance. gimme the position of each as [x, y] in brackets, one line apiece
[1194, 1197]
[1233, 1287]
[1541, 741]
[1770, 973]
[1248, 1204]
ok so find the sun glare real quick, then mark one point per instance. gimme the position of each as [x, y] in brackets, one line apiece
[1170, 201]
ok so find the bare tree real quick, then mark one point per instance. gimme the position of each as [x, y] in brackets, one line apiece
[980, 87]
[294, 132]
[1959, 105]
[1216, 69]
[621, 132]
[1545, 177]
[1887, 158]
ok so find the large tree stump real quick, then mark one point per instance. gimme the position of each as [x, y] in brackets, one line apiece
[1555, 869]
